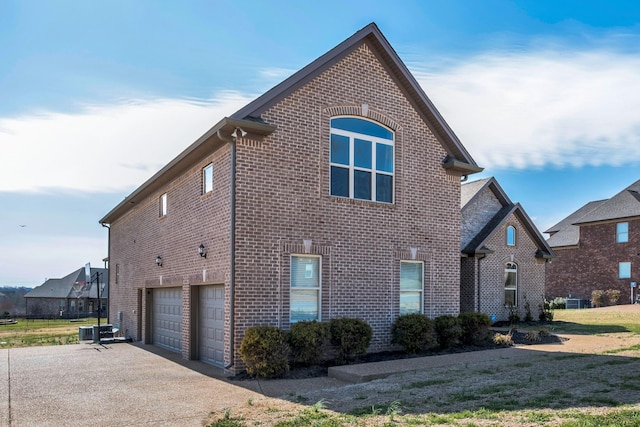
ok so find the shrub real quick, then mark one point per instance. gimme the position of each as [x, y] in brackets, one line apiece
[514, 317]
[527, 312]
[475, 327]
[597, 297]
[557, 303]
[351, 337]
[532, 336]
[546, 313]
[612, 296]
[503, 339]
[414, 332]
[448, 330]
[308, 341]
[265, 351]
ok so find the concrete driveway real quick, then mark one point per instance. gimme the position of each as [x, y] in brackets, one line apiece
[111, 385]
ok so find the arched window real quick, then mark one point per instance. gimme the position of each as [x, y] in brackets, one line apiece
[362, 160]
[511, 285]
[511, 235]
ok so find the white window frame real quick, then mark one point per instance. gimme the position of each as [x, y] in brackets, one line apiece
[622, 236]
[317, 289]
[162, 208]
[207, 180]
[627, 271]
[374, 171]
[511, 229]
[511, 267]
[420, 291]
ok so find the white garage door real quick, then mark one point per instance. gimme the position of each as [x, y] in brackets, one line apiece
[211, 325]
[167, 318]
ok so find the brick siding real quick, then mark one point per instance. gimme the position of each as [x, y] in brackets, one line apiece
[593, 264]
[282, 197]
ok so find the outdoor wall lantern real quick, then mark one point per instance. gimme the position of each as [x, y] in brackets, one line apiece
[202, 251]
[242, 132]
[159, 261]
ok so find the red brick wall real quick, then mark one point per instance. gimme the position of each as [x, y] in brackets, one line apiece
[594, 263]
[140, 235]
[283, 198]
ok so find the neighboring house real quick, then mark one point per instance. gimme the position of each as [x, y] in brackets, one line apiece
[598, 247]
[503, 254]
[334, 194]
[68, 297]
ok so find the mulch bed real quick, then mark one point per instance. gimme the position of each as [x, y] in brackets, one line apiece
[302, 372]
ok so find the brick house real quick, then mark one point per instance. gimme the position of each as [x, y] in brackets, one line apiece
[597, 246]
[69, 296]
[503, 259]
[334, 194]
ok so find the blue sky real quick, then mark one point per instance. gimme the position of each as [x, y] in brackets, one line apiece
[95, 97]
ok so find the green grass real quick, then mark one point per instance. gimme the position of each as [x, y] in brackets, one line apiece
[38, 332]
[595, 321]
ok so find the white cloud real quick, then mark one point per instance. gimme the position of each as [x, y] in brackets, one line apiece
[105, 148]
[542, 108]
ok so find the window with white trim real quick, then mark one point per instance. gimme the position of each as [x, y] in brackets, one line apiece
[511, 235]
[411, 287]
[624, 270]
[163, 205]
[207, 179]
[362, 160]
[511, 285]
[305, 288]
[622, 232]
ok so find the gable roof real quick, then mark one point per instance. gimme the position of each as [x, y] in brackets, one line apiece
[478, 242]
[470, 190]
[565, 233]
[625, 204]
[458, 161]
[63, 288]
[371, 35]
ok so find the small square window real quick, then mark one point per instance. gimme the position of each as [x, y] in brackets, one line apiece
[207, 179]
[624, 270]
[163, 205]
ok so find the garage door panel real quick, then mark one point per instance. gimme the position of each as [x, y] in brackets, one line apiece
[167, 318]
[211, 325]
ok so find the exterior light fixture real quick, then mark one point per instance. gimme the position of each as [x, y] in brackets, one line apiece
[202, 251]
[159, 261]
[243, 133]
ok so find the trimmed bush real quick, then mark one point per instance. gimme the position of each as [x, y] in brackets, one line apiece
[475, 327]
[612, 296]
[265, 351]
[448, 330]
[414, 332]
[597, 297]
[309, 341]
[351, 337]
[557, 303]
